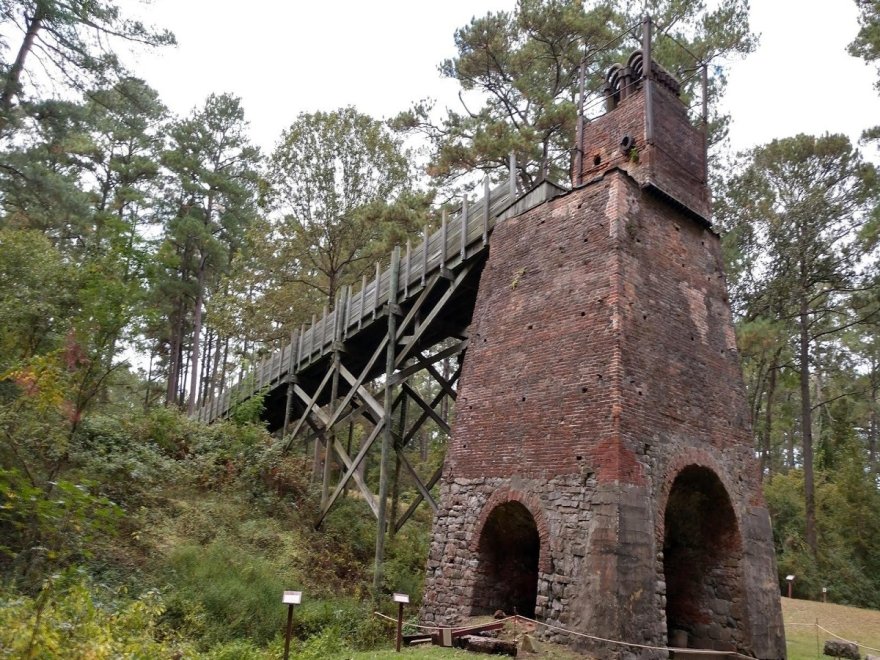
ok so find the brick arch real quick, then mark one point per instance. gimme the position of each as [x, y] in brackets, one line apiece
[534, 507]
[705, 592]
[687, 458]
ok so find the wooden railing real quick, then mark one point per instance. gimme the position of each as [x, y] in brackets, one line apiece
[461, 236]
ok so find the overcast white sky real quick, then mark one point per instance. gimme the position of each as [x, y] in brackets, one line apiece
[284, 58]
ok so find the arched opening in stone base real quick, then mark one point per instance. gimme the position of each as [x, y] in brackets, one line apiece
[702, 553]
[507, 562]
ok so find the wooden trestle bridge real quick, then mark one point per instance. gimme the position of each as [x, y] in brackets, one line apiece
[356, 361]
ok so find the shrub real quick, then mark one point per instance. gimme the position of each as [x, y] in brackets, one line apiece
[239, 595]
[68, 619]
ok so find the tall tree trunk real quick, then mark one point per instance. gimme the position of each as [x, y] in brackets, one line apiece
[197, 330]
[807, 429]
[174, 357]
[207, 353]
[13, 79]
[766, 461]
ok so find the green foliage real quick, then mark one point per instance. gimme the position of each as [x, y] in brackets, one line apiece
[848, 517]
[867, 42]
[249, 410]
[337, 621]
[519, 70]
[343, 186]
[228, 594]
[68, 619]
[404, 568]
[71, 42]
[46, 528]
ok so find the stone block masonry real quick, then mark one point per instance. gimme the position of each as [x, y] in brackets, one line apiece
[600, 475]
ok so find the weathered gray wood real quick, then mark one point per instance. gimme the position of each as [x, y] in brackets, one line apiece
[376, 290]
[423, 490]
[441, 251]
[418, 499]
[356, 385]
[486, 210]
[455, 349]
[463, 224]
[386, 435]
[310, 404]
[426, 240]
[426, 321]
[415, 396]
[351, 469]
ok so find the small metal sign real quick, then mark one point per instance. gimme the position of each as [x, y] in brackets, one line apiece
[401, 598]
[789, 577]
[292, 597]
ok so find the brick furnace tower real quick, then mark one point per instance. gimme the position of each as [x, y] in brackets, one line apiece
[600, 475]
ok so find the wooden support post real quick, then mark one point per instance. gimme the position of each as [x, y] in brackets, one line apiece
[705, 74]
[425, 238]
[444, 232]
[376, 290]
[512, 182]
[398, 450]
[291, 362]
[363, 298]
[408, 271]
[464, 225]
[486, 192]
[329, 434]
[648, 75]
[346, 318]
[386, 431]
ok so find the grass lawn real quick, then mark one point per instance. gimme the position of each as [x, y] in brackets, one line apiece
[800, 618]
[801, 634]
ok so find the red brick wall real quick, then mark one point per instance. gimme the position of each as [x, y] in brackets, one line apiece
[538, 384]
[675, 161]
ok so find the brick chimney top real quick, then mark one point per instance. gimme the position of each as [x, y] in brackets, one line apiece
[622, 80]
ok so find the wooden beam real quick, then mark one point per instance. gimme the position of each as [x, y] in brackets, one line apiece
[418, 500]
[426, 322]
[455, 349]
[444, 384]
[427, 408]
[369, 497]
[309, 405]
[418, 481]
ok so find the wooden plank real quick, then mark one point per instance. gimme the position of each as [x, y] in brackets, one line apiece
[376, 291]
[418, 500]
[425, 244]
[362, 391]
[463, 223]
[444, 426]
[363, 296]
[444, 385]
[453, 286]
[347, 320]
[443, 238]
[350, 471]
[455, 349]
[486, 196]
[423, 490]
[310, 404]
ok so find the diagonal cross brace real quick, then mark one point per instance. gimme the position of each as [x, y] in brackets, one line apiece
[351, 466]
[403, 354]
[310, 404]
[418, 500]
[426, 407]
[423, 490]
